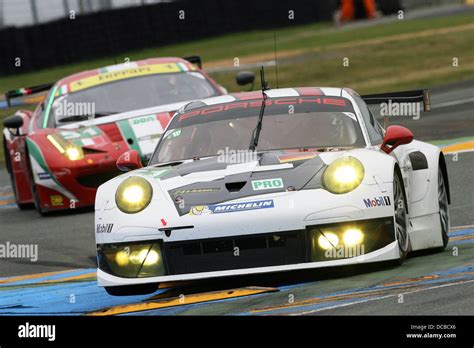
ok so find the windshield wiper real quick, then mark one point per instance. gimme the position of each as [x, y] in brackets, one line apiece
[74, 118]
[258, 128]
[105, 113]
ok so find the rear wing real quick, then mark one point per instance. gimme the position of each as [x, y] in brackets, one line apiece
[421, 95]
[17, 93]
[196, 60]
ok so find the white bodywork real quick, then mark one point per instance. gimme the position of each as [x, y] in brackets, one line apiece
[292, 210]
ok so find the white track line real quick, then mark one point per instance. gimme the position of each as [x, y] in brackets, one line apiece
[462, 227]
[452, 103]
[381, 298]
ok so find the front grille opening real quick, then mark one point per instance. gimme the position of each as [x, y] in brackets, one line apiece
[191, 249]
[236, 252]
[251, 243]
[217, 247]
[280, 241]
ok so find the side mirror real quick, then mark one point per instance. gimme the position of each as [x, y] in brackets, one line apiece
[394, 137]
[129, 160]
[244, 78]
[14, 121]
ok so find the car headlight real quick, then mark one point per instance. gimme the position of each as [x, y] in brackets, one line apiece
[72, 151]
[328, 240]
[343, 175]
[132, 260]
[133, 195]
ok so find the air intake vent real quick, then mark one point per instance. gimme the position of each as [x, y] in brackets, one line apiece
[235, 186]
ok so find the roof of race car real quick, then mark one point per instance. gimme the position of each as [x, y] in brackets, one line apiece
[272, 93]
[91, 78]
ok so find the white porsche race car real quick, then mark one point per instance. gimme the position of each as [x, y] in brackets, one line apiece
[279, 180]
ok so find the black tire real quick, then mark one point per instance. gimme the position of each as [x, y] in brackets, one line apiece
[131, 290]
[34, 191]
[37, 201]
[401, 220]
[443, 209]
[21, 206]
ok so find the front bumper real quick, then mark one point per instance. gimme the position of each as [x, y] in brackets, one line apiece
[257, 253]
[75, 186]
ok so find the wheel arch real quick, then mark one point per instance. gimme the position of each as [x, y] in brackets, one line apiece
[398, 171]
[444, 170]
[6, 154]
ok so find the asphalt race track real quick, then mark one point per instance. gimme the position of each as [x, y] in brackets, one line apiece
[62, 280]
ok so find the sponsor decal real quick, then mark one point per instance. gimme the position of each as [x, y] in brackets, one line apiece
[296, 157]
[111, 74]
[85, 133]
[44, 176]
[267, 184]
[104, 228]
[172, 133]
[143, 132]
[196, 190]
[62, 172]
[381, 201]
[231, 207]
[154, 173]
[144, 119]
[56, 200]
[258, 103]
[200, 210]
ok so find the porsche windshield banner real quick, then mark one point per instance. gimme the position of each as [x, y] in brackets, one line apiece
[274, 106]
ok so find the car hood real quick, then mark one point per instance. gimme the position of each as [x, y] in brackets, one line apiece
[137, 130]
[210, 181]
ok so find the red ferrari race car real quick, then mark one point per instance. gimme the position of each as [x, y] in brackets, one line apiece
[59, 154]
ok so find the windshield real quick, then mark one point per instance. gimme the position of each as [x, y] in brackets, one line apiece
[131, 94]
[228, 127]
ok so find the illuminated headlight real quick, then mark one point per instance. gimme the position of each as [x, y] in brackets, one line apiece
[133, 195]
[132, 260]
[352, 236]
[145, 257]
[328, 240]
[343, 175]
[68, 149]
[74, 153]
[350, 239]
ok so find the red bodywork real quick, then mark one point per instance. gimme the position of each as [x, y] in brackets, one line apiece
[78, 179]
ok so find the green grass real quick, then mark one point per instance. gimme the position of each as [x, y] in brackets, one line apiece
[227, 47]
[383, 65]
